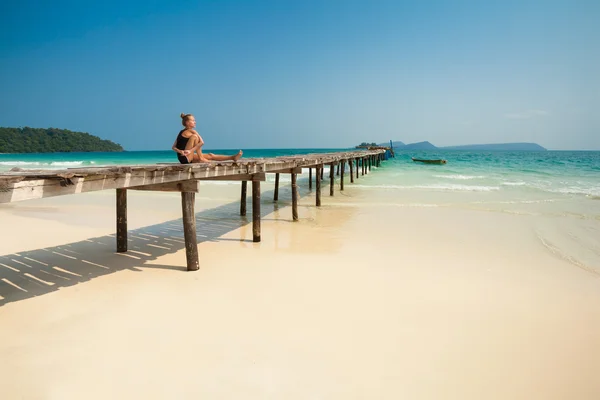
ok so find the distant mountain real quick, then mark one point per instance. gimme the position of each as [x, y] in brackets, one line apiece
[398, 145]
[419, 146]
[499, 146]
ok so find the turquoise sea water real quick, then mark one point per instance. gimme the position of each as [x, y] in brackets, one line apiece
[554, 172]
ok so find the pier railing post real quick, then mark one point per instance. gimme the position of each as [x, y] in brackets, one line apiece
[318, 185]
[294, 198]
[121, 220]
[189, 230]
[255, 211]
[243, 198]
[276, 195]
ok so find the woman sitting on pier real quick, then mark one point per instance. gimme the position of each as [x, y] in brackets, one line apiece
[188, 144]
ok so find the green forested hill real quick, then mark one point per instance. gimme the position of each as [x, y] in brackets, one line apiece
[41, 140]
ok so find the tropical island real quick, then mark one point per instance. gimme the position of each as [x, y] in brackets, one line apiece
[50, 140]
[398, 145]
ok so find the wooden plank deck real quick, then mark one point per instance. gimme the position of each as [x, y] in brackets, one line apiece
[20, 185]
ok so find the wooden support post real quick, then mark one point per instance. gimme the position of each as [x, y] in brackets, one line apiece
[294, 198]
[243, 199]
[189, 230]
[357, 162]
[362, 164]
[121, 220]
[256, 211]
[370, 162]
[331, 178]
[318, 185]
[322, 171]
[310, 178]
[342, 169]
[276, 195]
[338, 169]
[350, 162]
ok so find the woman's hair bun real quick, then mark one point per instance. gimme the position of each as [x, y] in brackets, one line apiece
[182, 115]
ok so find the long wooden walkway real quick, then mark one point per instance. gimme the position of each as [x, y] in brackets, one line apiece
[19, 185]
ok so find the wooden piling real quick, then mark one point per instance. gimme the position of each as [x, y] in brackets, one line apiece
[318, 186]
[331, 178]
[322, 171]
[255, 211]
[342, 170]
[276, 195]
[350, 162]
[338, 170]
[357, 161]
[294, 198]
[189, 230]
[310, 178]
[243, 198]
[121, 220]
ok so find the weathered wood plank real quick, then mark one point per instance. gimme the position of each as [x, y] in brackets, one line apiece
[183, 186]
[36, 189]
[18, 185]
[296, 170]
[261, 176]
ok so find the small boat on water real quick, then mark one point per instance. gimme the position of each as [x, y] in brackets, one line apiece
[421, 160]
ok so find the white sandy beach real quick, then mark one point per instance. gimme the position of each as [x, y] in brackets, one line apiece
[357, 300]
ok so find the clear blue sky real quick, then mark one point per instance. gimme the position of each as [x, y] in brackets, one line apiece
[264, 74]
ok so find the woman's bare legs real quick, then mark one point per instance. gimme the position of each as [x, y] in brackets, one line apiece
[218, 157]
[191, 143]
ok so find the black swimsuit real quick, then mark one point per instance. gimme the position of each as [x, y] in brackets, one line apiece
[180, 145]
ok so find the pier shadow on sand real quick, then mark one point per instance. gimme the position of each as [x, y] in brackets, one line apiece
[37, 272]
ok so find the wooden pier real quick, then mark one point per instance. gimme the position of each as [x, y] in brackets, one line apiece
[19, 185]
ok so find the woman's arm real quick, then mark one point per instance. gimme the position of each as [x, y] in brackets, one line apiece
[175, 149]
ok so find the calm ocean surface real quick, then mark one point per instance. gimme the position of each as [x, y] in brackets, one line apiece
[556, 172]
